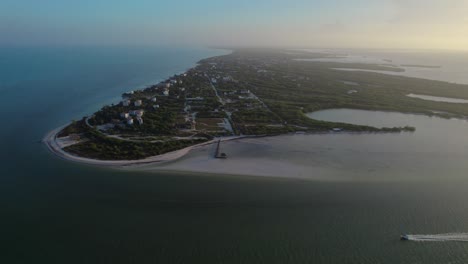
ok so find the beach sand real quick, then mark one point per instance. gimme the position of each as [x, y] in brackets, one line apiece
[55, 145]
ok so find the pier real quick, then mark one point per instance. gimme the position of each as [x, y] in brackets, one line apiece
[218, 153]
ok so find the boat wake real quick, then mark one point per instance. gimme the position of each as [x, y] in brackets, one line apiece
[462, 237]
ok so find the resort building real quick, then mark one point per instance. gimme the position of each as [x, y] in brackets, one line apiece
[137, 113]
[130, 121]
[139, 120]
[126, 102]
[138, 103]
[124, 115]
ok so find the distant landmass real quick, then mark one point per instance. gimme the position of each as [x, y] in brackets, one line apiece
[421, 66]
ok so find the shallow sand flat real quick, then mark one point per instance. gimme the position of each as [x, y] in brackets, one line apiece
[315, 157]
[201, 160]
[426, 153]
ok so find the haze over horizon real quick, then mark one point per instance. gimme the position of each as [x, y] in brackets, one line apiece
[392, 24]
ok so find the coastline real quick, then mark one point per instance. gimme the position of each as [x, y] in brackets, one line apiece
[55, 145]
[50, 140]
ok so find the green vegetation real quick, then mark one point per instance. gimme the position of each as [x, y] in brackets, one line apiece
[105, 148]
[260, 92]
[291, 88]
[76, 127]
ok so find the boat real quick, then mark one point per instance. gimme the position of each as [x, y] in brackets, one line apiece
[404, 238]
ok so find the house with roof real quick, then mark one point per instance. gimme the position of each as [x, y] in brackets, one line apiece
[139, 120]
[137, 113]
[126, 102]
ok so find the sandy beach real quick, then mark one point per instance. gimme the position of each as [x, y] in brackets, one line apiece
[55, 145]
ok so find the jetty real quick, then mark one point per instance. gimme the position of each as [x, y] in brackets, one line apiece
[218, 153]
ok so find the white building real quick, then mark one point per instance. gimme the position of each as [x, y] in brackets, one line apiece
[166, 92]
[130, 121]
[126, 102]
[156, 106]
[138, 103]
[154, 99]
[124, 115]
[139, 120]
[137, 113]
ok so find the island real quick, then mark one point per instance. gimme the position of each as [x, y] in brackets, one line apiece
[248, 93]
[421, 66]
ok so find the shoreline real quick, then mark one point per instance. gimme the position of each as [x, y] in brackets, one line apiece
[50, 140]
[54, 145]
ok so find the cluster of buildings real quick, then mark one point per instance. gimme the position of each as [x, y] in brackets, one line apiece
[136, 116]
[128, 102]
[215, 80]
[133, 115]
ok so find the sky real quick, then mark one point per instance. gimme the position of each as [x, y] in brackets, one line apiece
[399, 24]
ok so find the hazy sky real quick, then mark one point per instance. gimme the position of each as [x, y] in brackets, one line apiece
[426, 24]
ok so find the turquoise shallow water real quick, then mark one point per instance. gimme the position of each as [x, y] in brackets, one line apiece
[54, 211]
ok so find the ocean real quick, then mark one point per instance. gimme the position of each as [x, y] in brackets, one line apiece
[349, 204]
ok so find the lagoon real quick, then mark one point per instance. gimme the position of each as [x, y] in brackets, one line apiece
[453, 66]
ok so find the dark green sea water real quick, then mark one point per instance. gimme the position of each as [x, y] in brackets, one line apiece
[54, 211]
